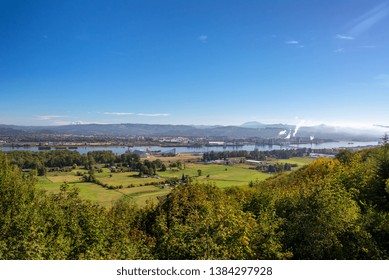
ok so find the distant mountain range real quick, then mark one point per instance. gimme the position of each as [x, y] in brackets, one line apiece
[246, 130]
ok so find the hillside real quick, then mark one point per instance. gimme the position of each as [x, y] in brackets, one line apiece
[245, 131]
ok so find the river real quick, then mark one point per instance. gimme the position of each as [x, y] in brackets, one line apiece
[123, 149]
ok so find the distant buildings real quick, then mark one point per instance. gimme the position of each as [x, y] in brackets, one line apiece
[216, 143]
[316, 155]
[147, 153]
[169, 153]
[142, 154]
[173, 140]
[256, 162]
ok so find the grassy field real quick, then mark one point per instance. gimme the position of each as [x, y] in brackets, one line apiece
[182, 157]
[300, 161]
[97, 193]
[221, 175]
[142, 190]
[124, 179]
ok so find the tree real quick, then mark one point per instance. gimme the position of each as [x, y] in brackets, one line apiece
[128, 238]
[344, 156]
[383, 170]
[201, 222]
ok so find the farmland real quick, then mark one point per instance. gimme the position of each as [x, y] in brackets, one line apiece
[142, 189]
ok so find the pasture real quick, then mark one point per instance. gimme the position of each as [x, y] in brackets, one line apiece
[141, 190]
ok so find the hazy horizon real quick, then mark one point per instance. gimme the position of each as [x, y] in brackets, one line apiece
[375, 128]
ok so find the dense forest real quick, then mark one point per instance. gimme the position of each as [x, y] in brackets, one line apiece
[331, 209]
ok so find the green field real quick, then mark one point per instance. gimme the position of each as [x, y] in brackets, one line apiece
[125, 179]
[300, 161]
[102, 195]
[221, 175]
[142, 190]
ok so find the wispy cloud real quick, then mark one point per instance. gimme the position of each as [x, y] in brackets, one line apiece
[344, 37]
[339, 50]
[118, 113]
[366, 21]
[153, 115]
[294, 43]
[203, 38]
[48, 117]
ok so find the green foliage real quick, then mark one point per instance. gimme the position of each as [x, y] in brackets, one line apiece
[35, 225]
[382, 171]
[318, 217]
[19, 207]
[269, 233]
[127, 235]
[200, 222]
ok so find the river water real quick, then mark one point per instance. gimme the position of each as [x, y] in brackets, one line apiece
[122, 149]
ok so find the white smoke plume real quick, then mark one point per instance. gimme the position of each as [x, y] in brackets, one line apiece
[297, 127]
[282, 132]
[290, 133]
[311, 137]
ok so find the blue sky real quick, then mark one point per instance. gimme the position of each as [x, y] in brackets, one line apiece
[194, 62]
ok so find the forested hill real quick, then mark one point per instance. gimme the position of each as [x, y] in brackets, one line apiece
[331, 209]
[129, 129]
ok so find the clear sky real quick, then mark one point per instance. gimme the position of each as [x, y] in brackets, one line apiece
[194, 62]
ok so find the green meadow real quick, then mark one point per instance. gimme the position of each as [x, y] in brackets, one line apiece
[221, 175]
[144, 190]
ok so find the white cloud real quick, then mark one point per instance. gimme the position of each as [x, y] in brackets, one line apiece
[344, 37]
[153, 115]
[118, 113]
[48, 117]
[203, 38]
[292, 42]
[363, 124]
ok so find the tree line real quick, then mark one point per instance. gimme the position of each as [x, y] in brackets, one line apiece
[255, 154]
[63, 159]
